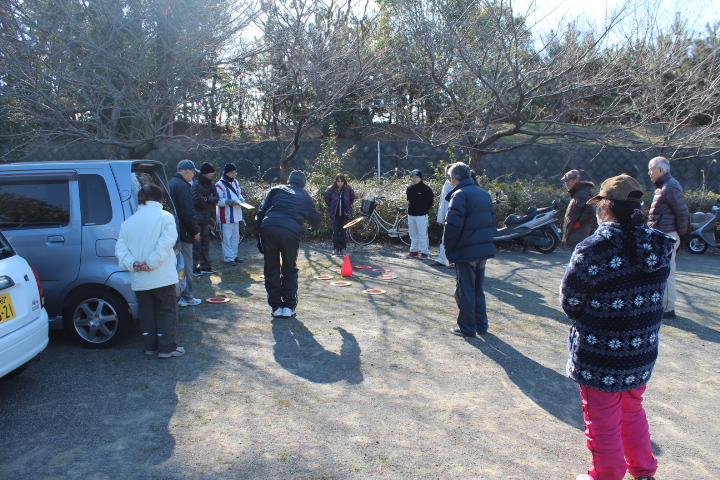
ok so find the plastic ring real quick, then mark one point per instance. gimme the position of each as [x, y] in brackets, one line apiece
[323, 277]
[386, 277]
[374, 291]
[340, 284]
[379, 270]
[352, 222]
[217, 300]
[363, 267]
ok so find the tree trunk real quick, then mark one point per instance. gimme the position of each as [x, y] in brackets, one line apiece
[475, 156]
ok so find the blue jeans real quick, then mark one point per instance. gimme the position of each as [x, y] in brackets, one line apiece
[470, 297]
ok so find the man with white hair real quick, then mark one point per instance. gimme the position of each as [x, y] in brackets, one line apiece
[669, 214]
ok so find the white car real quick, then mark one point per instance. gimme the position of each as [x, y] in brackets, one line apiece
[23, 319]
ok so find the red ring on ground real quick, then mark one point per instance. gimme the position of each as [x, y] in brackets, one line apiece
[363, 267]
[386, 277]
[380, 270]
[217, 300]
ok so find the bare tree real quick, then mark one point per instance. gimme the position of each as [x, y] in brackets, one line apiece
[112, 72]
[317, 62]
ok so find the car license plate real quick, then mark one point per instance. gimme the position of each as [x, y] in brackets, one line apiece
[7, 310]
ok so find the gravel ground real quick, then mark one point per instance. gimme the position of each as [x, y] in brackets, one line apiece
[357, 386]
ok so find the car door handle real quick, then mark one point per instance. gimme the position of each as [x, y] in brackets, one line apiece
[55, 240]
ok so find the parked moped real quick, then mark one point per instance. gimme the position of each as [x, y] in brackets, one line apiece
[702, 234]
[537, 227]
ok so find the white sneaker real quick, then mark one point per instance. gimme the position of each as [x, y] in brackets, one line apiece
[280, 312]
[288, 312]
[178, 352]
[186, 303]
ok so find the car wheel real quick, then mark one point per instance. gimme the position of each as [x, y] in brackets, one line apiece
[97, 319]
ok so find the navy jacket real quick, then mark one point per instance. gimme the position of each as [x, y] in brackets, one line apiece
[287, 206]
[181, 197]
[470, 224]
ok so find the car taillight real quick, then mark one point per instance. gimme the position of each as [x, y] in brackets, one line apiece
[39, 285]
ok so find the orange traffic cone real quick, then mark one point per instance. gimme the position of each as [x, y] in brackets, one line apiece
[346, 270]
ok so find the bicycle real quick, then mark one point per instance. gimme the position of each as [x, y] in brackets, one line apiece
[364, 229]
[216, 230]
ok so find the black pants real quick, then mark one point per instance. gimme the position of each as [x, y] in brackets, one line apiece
[158, 318]
[281, 273]
[470, 297]
[339, 237]
[201, 250]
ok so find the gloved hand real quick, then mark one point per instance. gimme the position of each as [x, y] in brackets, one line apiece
[230, 203]
[259, 243]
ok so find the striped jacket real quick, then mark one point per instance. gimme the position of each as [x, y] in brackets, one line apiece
[225, 213]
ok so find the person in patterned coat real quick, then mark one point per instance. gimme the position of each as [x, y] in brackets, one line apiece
[612, 292]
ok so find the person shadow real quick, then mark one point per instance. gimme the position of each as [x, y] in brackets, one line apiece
[298, 352]
[555, 393]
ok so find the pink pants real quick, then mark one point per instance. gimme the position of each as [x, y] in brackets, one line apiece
[617, 434]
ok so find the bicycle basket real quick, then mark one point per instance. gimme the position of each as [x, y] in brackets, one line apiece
[368, 205]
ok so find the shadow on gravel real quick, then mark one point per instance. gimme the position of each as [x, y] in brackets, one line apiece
[525, 300]
[297, 351]
[554, 393]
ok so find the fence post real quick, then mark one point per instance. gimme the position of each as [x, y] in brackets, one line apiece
[378, 147]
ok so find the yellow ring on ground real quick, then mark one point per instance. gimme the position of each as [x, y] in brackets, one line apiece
[386, 277]
[323, 277]
[340, 284]
[217, 300]
[374, 291]
[379, 270]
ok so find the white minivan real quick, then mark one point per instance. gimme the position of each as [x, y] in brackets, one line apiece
[23, 319]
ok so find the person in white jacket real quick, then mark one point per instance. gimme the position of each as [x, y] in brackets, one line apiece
[229, 213]
[145, 248]
[441, 216]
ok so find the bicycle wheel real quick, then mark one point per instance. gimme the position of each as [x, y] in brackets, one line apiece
[364, 231]
[403, 231]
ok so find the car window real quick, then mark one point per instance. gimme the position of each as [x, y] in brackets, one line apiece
[142, 178]
[6, 250]
[34, 203]
[94, 200]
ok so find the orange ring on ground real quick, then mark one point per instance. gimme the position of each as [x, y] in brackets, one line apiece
[374, 291]
[386, 277]
[217, 300]
[379, 270]
[340, 284]
[323, 277]
[363, 267]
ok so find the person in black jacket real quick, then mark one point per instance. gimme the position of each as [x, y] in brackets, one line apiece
[420, 199]
[205, 197]
[279, 225]
[188, 230]
[468, 240]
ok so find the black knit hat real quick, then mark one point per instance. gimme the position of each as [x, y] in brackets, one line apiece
[297, 178]
[206, 168]
[416, 172]
[229, 167]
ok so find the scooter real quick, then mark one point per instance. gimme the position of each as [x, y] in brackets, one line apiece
[703, 226]
[537, 227]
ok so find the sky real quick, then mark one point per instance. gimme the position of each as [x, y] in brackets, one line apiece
[547, 13]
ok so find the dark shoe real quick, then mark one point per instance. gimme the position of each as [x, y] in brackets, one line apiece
[230, 264]
[413, 255]
[437, 264]
[460, 333]
[238, 260]
[482, 332]
[207, 270]
[197, 273]
[670, 314]
[423, 256]
[452, 265]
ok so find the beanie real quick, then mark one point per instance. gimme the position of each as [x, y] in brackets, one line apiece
[298, 178]
[416, 172]
[206, 168]
[229, 167]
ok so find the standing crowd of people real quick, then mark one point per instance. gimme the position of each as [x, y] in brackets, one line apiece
[617, 288]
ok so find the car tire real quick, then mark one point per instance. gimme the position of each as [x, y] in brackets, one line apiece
[97, 318]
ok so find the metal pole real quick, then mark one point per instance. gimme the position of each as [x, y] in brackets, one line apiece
[378, 146]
